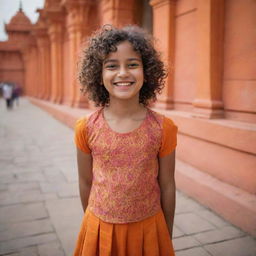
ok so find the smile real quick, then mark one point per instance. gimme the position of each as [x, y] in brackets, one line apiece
[123, 84]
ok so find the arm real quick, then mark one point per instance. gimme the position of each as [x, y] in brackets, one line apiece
[84, 162]
[167, 188]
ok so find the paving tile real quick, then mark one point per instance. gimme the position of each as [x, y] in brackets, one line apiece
[8, 178]
[225, 233]
[245, 246]
[29, 251]
[177, 232]
[190, 223]
[62, 189]
[30, 176]
[193, 252]
[68, 190]
[50, 249]
[3, 187]
[71, 174]
[212, 218]
[14, 245]
[66, 216]
[185, 242]
[25, 186]
[22, 229]
[53, 175]
[15, 197]
[187, 205]
[22, 212]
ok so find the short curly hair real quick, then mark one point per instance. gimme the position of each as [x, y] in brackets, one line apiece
[105, 41]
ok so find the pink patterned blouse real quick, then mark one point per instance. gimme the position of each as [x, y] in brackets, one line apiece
[125, 165]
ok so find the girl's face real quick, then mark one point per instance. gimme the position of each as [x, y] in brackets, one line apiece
[122, 73]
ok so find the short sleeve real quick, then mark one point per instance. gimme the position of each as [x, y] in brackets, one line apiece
[169, 137]
[81, 136]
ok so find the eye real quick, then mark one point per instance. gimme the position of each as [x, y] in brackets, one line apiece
[133, 65]
[111, 66]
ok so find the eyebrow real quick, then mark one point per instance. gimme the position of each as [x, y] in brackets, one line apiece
[114, 60]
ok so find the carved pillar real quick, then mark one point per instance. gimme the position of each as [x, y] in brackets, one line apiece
[164, 31]
[55, 20]
[43, 44]
[77, 17]
[208, 102]
[26, 88]
[30, 56]
[40, 82]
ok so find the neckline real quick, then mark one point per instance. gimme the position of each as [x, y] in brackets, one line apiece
[124, 133]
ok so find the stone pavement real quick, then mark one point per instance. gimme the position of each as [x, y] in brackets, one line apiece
[40, 210]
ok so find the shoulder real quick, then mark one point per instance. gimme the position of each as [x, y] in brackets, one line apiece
[156, 117]
[163, 120]
[83, 122]
[166, 124]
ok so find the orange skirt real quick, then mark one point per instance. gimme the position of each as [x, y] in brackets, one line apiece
[149, 237]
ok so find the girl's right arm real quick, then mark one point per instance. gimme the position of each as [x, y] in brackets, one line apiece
[84, 162]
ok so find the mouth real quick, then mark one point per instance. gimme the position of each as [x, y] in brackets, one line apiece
[123, 84]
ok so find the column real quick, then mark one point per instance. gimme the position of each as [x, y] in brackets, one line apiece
[208, 102]
[119, 12]
[55, 30]
[77, 17]
[40, 60]
[164, 31]
[43, 44]
[26, 88]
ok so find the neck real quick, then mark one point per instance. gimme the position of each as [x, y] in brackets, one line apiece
[122, 108]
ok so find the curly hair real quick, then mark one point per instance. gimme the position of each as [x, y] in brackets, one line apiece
[105, 41]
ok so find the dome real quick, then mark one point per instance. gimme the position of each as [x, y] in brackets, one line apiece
[19, 22]
[20, 19]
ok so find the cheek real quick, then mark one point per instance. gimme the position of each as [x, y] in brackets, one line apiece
[105, 76]
[140, 75]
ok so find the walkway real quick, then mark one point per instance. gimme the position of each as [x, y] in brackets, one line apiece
[40, 210]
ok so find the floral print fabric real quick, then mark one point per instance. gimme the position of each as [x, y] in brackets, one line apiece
[125, 166]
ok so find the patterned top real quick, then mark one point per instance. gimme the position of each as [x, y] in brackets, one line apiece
[125, 165]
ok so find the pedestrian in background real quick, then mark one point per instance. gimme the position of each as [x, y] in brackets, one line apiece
[16, 94]
[125, 150]
[7, 95]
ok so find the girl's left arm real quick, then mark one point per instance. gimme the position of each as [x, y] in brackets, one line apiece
[168, 189]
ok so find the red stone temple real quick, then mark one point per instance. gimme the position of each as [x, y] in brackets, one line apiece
[210, 49]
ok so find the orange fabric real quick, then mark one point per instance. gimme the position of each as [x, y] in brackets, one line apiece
[148, 237]
[169, 137]
[81, 135]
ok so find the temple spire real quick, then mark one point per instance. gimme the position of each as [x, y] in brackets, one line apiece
[20, 9]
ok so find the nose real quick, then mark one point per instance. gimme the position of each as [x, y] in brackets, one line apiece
[123, 72]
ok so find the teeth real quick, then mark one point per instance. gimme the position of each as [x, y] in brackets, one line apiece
[123, 84]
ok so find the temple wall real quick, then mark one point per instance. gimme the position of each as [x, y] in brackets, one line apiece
[209, 49]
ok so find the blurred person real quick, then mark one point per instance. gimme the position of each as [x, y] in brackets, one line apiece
[7, 95]
[16, 94]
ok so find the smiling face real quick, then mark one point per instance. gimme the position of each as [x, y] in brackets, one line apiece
[122, 73]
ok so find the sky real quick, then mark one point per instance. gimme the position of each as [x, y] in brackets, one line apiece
[8, 8]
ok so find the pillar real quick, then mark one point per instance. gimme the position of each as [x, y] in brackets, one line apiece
[55, 20]
[77, 17]
[208, 102]
[164, 31]
[43, 43]
[118, 12]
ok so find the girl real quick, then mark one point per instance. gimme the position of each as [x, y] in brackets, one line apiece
[125, 151]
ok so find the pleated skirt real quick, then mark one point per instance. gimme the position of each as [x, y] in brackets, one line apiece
[149, 237]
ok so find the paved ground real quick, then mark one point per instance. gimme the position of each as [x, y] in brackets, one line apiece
[40, 210]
